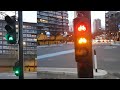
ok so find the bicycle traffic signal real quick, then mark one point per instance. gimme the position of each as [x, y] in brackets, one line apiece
[16, 68]
[83, 45]
[11, 29]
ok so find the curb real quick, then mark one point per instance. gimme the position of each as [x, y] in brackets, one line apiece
[64, 73]
[11, 75]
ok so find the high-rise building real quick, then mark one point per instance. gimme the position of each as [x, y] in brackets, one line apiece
[55, 22]
[96, 25]
[9, 52]
[112, 20]
[75, 14]
[112, 26]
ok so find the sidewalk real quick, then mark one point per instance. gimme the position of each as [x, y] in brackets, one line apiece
[70, 73]
[11, 75]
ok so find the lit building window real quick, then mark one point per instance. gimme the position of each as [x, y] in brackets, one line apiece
[42, 20]
[0, 33]
[59, 16]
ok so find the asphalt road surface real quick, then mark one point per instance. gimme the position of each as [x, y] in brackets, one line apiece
[108, 57]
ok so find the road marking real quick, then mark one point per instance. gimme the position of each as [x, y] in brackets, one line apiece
[55, 54]
[108, 47]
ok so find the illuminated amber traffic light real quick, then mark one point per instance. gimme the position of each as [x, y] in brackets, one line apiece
[82, 41]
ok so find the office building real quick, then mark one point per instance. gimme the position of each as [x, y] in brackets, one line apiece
[54, 22]
[96, 25]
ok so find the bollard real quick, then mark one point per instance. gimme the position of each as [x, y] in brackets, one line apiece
[95, 61]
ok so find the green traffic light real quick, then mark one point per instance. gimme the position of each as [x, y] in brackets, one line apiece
[17, 72]
[6, 36]
[10, 38]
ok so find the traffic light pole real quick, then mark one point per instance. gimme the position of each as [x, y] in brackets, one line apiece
[83, 50]
[20, 42]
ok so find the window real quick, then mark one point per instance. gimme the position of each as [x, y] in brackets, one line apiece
[24, 26]
[30, 52]
[28, 35]
[0, 47]
[4, 51]
[1, 38]
[0, 33]
[5, 47]
[29, 27]
[24, 31]
[24, 48]
[4, 42]
[24, 39]
[0, 28]
[0, 24]
[0, 42]
[0, 51]
[33, 35]
[24, 35]
[24, 52]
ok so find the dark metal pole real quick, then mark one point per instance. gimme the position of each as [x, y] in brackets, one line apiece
[85, 65]
[21, 60]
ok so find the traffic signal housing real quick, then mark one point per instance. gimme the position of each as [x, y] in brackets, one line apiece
[16, 68]
[11, 29]
[83, 46]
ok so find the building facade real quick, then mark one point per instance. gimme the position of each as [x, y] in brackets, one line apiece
[96, 25]
[112, 24]
[55, 22]
[10, 51]
[112, 20]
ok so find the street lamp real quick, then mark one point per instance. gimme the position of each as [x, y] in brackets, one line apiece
[48, 36]
[24, 43]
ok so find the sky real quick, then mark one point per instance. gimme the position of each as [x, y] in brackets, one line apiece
[94, 15]
[30, 16]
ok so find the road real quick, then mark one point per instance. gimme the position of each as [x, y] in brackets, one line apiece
[108, 57]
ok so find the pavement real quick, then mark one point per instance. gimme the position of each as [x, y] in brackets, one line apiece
[71, 73]
[11, 75]
[60, 73]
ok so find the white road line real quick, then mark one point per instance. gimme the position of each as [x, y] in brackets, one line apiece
[55, 54]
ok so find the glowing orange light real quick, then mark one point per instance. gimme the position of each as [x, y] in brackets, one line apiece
[81, 28]
[82, 40]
